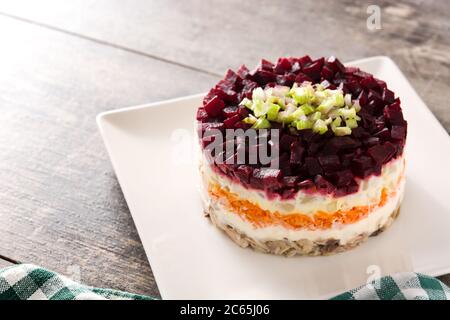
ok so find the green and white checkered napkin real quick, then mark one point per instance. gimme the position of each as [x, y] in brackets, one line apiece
[29, 282]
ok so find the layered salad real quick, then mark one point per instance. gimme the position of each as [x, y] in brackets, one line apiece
[302, 156]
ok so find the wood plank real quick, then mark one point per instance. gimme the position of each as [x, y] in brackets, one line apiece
[61, 206]
[220, 34]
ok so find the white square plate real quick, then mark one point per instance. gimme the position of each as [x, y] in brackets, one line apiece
[150, 148]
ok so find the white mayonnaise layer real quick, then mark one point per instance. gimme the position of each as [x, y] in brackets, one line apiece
[369, 192]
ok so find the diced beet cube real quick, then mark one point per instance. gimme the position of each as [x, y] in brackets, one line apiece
[342, 178]
[291, 181]
[207, 127]
[330, 163]
[374, 96]
[266, 65]
[243, 112]
[306, 184]
[346, 159]
[304, 61]
[374, 107]
[301, 77]
[286, 79]
[351, 70]
[228, 112]
[369, 83]
[383, 134]
[313, 70]
[308, 136]
[382, 153]
[230, 122]
[269, 177]
[314, 148]
[297, 151]
[289, 193]
[399, 150]
[312, 166]
[225, 91]
[263, 77]
[388, 96]
[353, 187]
[248, 88]
[243, 71]
[296, 67]
[381, 83]
[211, 94]
[398, 132]
[393, 113]
[283, 163]
[361, 166]
[323, 184]
[256, 179]
[327, 73]
[362, 74]
[367, 119]
[283, 66]
[360, 133]
[334, 64]
[340, 192]
[202, 114]
[363, 99]
[286, 171]
[231, 77]
[244, 173]
[276, 126]
[372, 141]
[354, 87]
[214, 107]
[242, 125]
[339, 144]
[285, 142]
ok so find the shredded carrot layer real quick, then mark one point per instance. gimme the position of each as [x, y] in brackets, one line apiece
[320, 220]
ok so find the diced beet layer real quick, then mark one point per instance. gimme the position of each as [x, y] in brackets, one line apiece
[306, 161]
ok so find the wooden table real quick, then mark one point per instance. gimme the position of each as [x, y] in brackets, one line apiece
[64, 62]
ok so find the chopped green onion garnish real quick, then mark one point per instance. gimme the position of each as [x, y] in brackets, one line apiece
[258, 94]
[342, 131]
[304, 106]
[316, 116]
[261, 123]
[320, 127]
[260, 108]
[337, 122]
[307, 109]
[351, 123]
[347, 113]
[303, 124]
[272, 112]
[250, 119]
